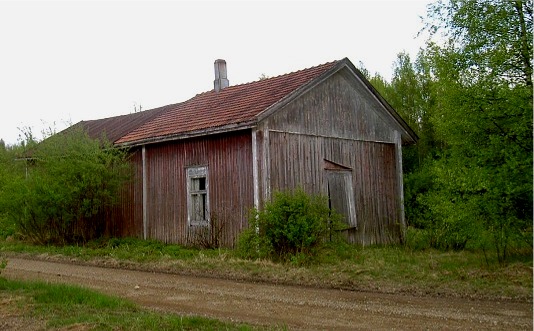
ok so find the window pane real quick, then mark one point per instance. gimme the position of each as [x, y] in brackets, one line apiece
[194, 184]
[197, 207]
[202, 183]
[203, 206]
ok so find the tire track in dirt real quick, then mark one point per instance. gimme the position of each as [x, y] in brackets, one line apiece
[292, 306]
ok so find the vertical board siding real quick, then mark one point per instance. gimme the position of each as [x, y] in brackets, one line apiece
[374, 177]
[229, 161]
[341, 121]
[338, 107]
[126, 217]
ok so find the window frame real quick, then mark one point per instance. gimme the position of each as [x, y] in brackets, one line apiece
[192, 174]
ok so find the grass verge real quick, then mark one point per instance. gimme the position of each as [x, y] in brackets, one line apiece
[36, 305]
[393, 269]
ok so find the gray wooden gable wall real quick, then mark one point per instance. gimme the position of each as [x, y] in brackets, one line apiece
[338, 121]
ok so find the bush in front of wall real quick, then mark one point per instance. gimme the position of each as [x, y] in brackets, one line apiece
[292, 228]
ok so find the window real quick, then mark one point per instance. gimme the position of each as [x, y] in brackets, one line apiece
[197, 196]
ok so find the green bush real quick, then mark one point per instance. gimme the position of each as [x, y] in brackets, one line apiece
[11, 168]
[69, 184]
[252, 245]
[293, 227]
[3, 265]
[7, 228]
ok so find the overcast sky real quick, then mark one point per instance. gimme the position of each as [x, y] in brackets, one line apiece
[67, 61]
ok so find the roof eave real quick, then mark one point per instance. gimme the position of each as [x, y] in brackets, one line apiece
[190, 134]
[409, 137]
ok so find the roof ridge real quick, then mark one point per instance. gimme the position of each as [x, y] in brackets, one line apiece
[130, 114]
[283, 74]
[252, 82]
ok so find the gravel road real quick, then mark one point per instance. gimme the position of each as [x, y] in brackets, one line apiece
[291, 306]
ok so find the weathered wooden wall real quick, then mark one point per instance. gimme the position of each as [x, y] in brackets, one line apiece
[338, 107]
[228, 158]
[341, 121]
[299, 161]
[126, 218]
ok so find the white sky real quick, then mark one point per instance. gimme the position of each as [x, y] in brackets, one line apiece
[67, 61]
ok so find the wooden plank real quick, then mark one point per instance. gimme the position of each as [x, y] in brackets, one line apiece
[229, 160]
[295, 162]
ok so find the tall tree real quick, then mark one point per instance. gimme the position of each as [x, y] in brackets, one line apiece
[410, 94]
[482, 69]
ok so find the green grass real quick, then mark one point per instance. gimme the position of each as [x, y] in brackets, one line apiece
[387, 269]
[61, 306]
[393, 269]
[462, 273]
[128, 249]
[467, 273]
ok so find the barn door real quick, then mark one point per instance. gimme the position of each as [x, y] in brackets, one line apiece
[341, 195]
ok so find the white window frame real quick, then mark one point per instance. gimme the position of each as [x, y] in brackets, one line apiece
[196, 194]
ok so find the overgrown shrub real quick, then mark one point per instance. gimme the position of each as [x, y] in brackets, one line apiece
[210, 236]
[252, 245]
[10, 169]
[69, 184]
[7, 228]
[293, 227]
[3, 264]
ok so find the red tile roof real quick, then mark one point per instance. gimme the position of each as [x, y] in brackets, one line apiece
[233, 106]
[116, 127]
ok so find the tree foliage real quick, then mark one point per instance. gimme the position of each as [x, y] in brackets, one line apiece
[68, 184]
[483, 86]
[468, 95]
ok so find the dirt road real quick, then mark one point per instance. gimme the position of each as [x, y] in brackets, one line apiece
[291, 306]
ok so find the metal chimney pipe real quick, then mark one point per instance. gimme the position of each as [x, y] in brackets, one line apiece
[221, 80]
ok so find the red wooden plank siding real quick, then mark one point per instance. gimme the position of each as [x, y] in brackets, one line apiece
[229, 161]
[126, 218]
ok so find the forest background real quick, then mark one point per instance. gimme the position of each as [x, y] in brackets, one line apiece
[468, 181]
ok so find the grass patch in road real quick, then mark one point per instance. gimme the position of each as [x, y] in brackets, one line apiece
[63, 306]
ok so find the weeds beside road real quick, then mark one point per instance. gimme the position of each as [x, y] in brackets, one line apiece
[269, 305]
[427, 274]
[376, 269]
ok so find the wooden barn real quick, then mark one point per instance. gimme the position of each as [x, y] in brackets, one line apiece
[208, 160]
